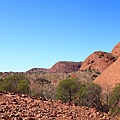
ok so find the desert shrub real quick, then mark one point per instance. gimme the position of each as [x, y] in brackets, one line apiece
[114, 101]
[90, 96]
[17, 83]
[23, 87]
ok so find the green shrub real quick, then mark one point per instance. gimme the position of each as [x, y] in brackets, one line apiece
[17, 83]
[23, 87]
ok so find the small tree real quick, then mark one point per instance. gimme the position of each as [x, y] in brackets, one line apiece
[67, 89]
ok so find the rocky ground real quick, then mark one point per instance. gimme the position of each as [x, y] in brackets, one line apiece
[23, 107]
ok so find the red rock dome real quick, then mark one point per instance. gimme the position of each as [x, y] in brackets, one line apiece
[116, 50]
[98, 61]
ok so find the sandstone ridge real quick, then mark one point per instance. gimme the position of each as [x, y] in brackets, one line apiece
[65, 67]
[59, 67]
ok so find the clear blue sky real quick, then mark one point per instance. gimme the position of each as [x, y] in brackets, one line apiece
[39, 33]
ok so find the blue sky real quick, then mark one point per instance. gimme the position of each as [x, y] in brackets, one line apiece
[39, 33]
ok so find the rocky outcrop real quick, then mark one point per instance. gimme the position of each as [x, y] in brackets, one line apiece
[65, 67]
[116, 50]
[23, 107]
[109, 77]
[37, 70]
[98, 61]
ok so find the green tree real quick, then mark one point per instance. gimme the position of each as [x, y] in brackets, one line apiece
[114, 101]
[67, 89]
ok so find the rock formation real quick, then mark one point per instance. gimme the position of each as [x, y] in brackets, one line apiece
[109, 77]
[65, 67]
[98, 61]
[116, 50]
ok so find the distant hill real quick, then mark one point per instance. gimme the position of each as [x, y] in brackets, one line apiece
[65, 67]
[59, 67]
[37, 70]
